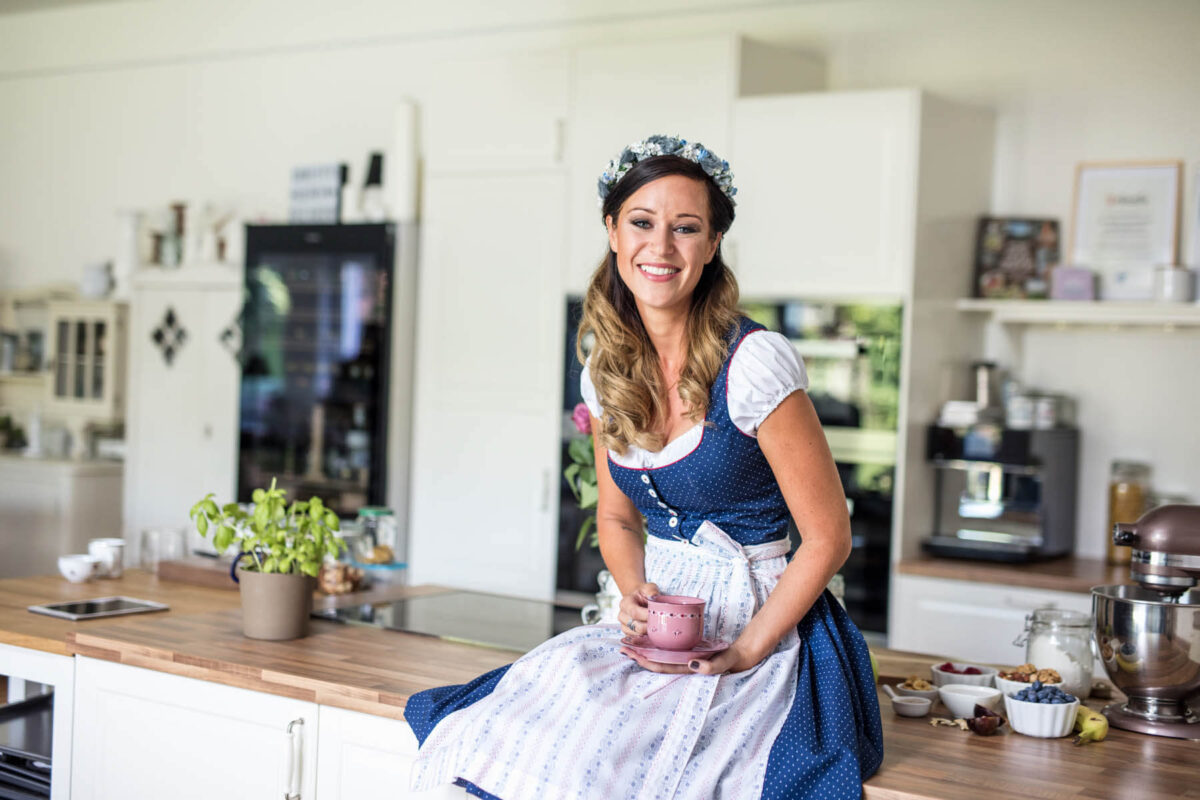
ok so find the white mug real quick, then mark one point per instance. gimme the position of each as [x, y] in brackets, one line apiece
[78, 567]
[111, 554]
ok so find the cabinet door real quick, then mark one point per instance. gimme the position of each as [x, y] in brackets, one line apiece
[968, 621]
[496, 112]
[145, 734]
[624, 93]
[489, 340]
[826, 193]
[360, 757]
[183, 403]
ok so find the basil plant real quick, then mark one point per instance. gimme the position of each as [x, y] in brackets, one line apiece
[274, 536]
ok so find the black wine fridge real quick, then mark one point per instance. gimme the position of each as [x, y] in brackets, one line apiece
[316, 334]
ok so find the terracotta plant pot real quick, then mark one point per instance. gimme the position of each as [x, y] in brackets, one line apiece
[274, 606]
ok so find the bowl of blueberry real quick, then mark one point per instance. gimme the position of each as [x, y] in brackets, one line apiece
[1041, 710]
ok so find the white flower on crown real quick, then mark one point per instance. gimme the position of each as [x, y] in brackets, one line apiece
[658, 145]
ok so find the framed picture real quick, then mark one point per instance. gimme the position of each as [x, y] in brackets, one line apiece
[1013, 256]
[1126, 215]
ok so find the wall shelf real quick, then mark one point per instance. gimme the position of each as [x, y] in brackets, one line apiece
[1065, 313]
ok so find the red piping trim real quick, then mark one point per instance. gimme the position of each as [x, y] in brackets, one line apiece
[663, 466]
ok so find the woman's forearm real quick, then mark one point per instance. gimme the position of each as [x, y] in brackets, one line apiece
[813, 565]
[624, 552]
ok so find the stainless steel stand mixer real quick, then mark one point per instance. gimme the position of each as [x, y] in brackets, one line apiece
[1149, 634]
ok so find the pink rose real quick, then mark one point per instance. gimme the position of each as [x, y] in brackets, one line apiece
[581, 418]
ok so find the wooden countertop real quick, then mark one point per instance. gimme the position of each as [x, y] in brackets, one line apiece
[375, 671]
[23, 628]
[1068, 574]
[921, 761]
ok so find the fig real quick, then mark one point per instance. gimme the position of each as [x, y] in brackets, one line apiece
[985, 722]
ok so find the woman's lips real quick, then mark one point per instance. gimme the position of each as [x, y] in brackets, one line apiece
[658, 272]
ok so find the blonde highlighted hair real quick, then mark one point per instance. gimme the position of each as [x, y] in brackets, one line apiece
[624, 365]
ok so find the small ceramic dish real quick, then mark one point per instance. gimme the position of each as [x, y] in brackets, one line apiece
[1012, 687]
[911, 706]
[1043, 720]
[925, 694]
[908, 706]
[942, 678]
[960, 698]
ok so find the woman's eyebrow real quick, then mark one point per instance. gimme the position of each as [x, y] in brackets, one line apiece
[649, 211]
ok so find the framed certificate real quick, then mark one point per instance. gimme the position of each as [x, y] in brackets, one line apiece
[1126, 215]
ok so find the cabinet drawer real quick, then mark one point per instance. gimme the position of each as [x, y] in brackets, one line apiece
[968, 621]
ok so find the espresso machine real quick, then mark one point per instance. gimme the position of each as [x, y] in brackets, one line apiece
[1002, 494]
[1148, 634]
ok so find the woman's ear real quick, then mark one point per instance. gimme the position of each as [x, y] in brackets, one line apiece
[612, 232]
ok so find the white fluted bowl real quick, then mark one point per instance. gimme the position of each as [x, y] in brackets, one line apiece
[941, 678]
[961, 698]
[1044, 720]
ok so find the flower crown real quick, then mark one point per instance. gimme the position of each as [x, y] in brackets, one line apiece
[716, 168]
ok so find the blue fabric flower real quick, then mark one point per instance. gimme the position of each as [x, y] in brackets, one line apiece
[660, 145]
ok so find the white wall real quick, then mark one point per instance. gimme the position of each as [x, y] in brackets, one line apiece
[139, 103]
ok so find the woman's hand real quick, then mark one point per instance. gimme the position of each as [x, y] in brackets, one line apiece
[738, 657]
[633, 613]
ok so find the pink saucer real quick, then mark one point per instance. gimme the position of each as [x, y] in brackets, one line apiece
[703, 649]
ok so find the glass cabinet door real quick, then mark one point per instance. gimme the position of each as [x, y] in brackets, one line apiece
[99, 343]
[80, 365]
[62, 360]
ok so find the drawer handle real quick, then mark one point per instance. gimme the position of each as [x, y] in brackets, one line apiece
[293, 760]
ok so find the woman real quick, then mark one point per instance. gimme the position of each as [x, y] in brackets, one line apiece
[702, 427]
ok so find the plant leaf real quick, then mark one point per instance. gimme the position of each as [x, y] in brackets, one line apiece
[588, 494]
[588, 522]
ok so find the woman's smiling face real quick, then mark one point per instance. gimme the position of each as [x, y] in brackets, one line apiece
[663, 239]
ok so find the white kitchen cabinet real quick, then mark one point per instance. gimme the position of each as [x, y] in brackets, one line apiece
[967, 620]
[87, 361]
[624, 92]
[490, 327]
[145, 734]
[56, 672]
[49, 507]
[496, 112]
[181, 429]
[826, 193]
[361, 756]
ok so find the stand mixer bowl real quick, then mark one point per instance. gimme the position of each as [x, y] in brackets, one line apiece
[1149, 643]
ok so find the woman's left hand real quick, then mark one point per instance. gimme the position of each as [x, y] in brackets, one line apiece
[736, 658]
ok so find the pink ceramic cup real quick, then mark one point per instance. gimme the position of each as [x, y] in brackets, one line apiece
[676, 622]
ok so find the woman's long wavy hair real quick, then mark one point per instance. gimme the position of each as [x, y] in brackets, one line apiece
[623, 362]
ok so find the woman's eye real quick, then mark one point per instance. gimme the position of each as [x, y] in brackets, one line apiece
[640, 223]
[686, 229]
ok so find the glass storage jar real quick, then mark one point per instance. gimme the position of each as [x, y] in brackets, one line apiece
[1128, 491]
[1062, 641]
[379, 540]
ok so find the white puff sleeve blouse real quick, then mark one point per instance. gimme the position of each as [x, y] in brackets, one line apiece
[764, 370]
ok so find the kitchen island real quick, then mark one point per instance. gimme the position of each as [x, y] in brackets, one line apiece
[350, 684]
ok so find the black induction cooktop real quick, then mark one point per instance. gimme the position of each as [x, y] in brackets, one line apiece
[492, 620]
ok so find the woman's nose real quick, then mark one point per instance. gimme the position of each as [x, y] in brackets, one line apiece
[664, 239]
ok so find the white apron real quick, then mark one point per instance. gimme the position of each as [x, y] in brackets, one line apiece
[577, 720]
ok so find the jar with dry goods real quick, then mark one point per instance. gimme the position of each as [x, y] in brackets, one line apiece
[1061, 640]
[1128, 492]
